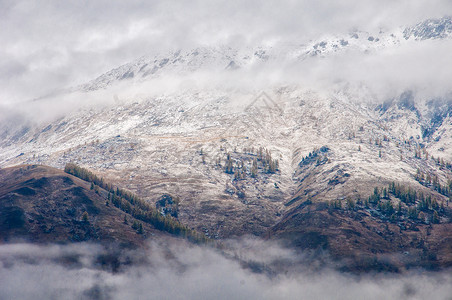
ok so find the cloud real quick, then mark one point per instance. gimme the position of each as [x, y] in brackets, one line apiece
[183, 271]
[417, 66]
[50, 45]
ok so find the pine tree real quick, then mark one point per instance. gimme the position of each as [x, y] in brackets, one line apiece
[259, 153]
[350, 203]
[435, 218]
[85, 217]
[399, 208]
[412, 213]
[421, 216]
[135, 225]
[254, 169]
[228, 168]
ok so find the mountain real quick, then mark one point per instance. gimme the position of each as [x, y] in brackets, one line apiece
[364, 239]
[430, 29]
[319, 169]
[218, 59]
[46, 205]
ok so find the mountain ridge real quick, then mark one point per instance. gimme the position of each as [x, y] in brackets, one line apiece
[247, 160]
[222, 58]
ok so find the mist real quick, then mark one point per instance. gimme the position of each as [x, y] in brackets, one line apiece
[48, 47]
[373, 77]
[247, 268]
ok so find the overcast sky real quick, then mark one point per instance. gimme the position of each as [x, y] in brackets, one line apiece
[46, 45]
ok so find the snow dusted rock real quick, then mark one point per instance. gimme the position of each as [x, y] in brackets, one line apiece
[430, 29]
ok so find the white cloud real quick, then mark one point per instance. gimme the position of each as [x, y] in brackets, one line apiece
[51, 45]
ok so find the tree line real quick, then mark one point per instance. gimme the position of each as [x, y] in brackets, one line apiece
[418, 206]
[138, 208]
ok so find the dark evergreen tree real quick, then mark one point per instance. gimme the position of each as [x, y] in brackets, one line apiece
[85, 217]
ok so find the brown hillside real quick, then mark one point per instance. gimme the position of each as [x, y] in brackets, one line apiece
[44, 204]
[361, 241]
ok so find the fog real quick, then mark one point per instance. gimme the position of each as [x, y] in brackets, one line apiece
[49, 46]
[419, 67]
[177, 270]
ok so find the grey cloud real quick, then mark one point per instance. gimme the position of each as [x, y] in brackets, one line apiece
[178, 270]
[65, 44]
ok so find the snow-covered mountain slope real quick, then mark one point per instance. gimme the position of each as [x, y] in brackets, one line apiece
[217, 59]
[238, 159]
[180, 145]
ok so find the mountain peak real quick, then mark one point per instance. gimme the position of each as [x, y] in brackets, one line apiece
[430, 29]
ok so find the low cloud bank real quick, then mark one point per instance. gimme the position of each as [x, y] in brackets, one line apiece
[178, 270]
